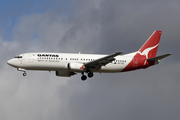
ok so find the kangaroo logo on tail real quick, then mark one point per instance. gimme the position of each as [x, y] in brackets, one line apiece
[146, 52]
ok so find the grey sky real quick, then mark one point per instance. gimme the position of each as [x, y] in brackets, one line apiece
[96, 26]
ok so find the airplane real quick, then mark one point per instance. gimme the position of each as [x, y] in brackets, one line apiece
[69, 64]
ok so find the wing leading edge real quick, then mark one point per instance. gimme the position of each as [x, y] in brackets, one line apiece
[96, 64]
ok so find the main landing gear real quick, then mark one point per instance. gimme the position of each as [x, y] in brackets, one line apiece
[90, 74]
[84, 77]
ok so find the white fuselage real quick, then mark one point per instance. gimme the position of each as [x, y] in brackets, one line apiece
[59, 61]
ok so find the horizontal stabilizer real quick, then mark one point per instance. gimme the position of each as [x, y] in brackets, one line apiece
[158, 57]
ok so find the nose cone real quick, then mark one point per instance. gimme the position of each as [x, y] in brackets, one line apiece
[13, 63]
[9, 62]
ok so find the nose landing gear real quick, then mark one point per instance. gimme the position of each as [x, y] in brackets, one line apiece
[23, 70]
[24, 74]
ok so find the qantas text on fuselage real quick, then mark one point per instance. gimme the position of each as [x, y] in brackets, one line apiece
[68, 64]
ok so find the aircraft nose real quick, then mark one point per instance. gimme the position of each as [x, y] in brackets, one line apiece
[13, 62]
[10, 62]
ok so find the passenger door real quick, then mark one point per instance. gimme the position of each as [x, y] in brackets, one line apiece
[31, 57]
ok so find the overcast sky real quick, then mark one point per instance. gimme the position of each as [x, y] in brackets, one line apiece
[89, 26]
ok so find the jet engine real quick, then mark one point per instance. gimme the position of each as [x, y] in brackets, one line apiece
[65, 73]
[78, 67]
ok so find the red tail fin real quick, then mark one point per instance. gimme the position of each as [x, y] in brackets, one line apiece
[151, 45]
[147, 51]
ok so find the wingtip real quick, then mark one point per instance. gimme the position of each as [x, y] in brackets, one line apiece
[119, 53]
[169, 54]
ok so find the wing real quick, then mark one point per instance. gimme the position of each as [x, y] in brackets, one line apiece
[96, 64]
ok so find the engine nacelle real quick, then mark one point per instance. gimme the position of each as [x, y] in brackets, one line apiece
[78, 67]
[65, 73]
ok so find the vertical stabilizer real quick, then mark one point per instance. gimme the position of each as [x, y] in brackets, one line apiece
[150, 47]
[147, 51]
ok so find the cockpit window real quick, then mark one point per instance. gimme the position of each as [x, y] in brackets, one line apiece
[18, 56]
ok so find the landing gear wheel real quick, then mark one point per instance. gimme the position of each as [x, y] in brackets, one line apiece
[24, 74]
[83, 78]
[90, 74]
